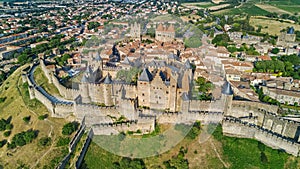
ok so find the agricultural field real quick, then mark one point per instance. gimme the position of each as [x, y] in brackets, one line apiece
[15, 107]
[199, 5]
[289, 6]
[272, 9]
[218, 7]
[247, 8]
[218, 152]
[271, 26]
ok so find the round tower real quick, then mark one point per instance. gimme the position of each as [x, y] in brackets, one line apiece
[227, 96]
[107, 91]
[84, 89]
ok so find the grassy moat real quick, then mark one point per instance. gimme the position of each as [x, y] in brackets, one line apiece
[218, 152]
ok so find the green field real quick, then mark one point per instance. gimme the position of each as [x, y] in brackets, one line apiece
[290, 8]
[283, 2]
[247, 8]
[236, 153]
[247, 153]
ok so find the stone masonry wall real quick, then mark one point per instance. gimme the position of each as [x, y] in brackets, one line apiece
[243, 130]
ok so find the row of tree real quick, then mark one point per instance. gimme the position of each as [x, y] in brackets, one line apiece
[286, 65]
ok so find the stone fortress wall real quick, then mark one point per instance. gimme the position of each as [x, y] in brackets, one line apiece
[239, 118]
[237, 128]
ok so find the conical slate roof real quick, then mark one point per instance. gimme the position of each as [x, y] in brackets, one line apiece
[107, 80]
[98, 57]
[127, 61]
[173, 56]
[185, 97]
[291, 30]
[84, 79]
[187, 64]
[227, 90]
[145, 76]
[88, 70]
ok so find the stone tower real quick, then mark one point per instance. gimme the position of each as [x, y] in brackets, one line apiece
[173, 92]
[84, 89]
[135, 30]
[98, 62]
[143, 86]
[107, 91]
[185, 103]
[165, 34]
[227, 96]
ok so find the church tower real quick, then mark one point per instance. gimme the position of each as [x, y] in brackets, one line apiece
[135, 31]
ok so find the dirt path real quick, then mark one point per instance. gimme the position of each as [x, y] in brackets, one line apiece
[215, 149]
[49, 122]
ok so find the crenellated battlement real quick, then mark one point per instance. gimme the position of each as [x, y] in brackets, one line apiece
[238, 128]
[106, 68]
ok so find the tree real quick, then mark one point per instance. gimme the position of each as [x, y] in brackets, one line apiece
[221, 40]
[130, 163]
[44, 141]
[275, 51]
[27, 119]
[7, 133]
[2, 143]
[69, 128]
[23, 138]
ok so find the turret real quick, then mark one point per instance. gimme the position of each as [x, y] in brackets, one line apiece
[173, 92]
[107, 91]
[185, 103]
[98, 61]
[143, 86]
[84, 89]
[227, 96]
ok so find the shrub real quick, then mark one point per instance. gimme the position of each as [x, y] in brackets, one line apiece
[45, 141]
[62, 141]
[263, 157]
[2, 99]
[27, 119]
[9, 126]
[69, 128]
[11, 145]
[195, 130]
[7, 133]
[2, 143]
[23, 138]
[3, 124]
[43, 117]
